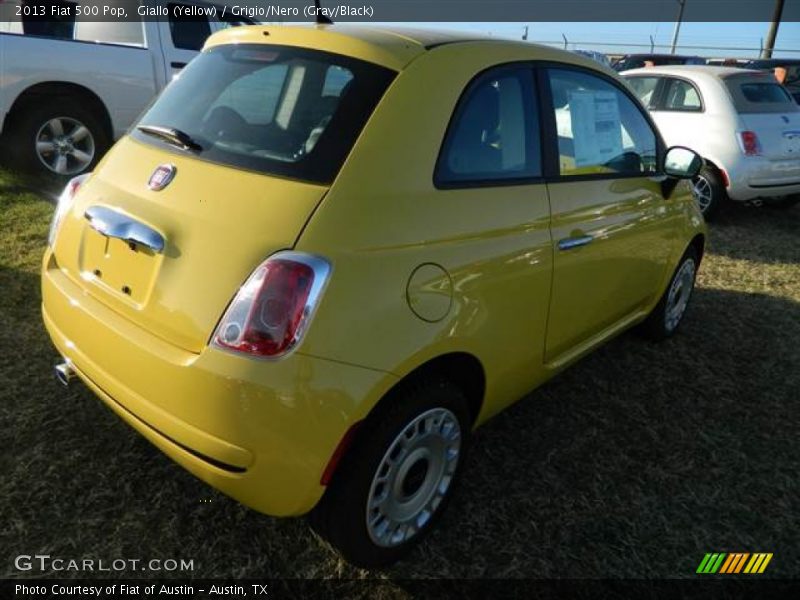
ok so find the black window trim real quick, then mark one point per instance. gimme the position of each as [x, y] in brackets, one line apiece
[548, 130]
[550, 161]
[513, 66]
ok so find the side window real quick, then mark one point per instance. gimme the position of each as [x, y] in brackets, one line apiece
[494, 133]
[645, 89]
[49, 25]
[336, 79]
[127, 33]
[188, 32]
[600, 129]
[682, 95]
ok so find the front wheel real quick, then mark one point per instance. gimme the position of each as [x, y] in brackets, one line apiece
[398, 477]
[668, 314]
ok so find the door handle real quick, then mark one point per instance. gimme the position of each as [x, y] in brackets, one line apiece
[177, 65]
[574, 242]
[113, 224]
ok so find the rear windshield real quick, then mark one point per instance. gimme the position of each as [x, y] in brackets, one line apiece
[759, 96]
[285, 111]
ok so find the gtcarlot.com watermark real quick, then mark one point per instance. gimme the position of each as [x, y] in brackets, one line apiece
[45, 562]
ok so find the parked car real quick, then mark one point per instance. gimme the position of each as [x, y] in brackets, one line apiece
[789, 65]
[596, 56]
[69, 87]
[742, 122]
[636, 61]
[326, 254]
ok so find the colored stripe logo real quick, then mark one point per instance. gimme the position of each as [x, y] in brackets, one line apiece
[733, 563]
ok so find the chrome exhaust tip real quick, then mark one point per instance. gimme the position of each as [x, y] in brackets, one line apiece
[65, 373]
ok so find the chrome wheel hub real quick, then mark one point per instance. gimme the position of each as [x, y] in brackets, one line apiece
[65, 146]
[703, 194]
[679, 293]
[413, 477]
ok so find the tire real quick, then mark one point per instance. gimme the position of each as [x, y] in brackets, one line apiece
[74, 148]
[709, 192]
[666, 317]
[429, 422]
[783, 202]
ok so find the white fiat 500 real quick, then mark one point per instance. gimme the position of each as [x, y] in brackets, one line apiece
[743, 122]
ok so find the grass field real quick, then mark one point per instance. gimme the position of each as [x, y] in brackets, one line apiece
[633, 463]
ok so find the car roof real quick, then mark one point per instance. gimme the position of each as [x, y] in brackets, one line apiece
[693, 71]
[392, 47]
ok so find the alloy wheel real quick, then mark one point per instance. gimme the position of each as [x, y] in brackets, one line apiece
[702, 192]
[65, 146]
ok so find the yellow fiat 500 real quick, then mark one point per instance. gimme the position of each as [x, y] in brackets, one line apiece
[326, 254]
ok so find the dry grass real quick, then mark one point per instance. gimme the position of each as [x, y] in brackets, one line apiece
[632, 464]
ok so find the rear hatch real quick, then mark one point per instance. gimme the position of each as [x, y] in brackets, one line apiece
[766, 108]
[217, 223]
[249, 138]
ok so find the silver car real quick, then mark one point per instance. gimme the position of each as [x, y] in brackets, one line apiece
[742, 122]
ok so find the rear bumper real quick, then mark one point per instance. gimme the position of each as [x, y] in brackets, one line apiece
[759, 177]
[261, 432]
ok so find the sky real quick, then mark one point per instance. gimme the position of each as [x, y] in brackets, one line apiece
[708, 39]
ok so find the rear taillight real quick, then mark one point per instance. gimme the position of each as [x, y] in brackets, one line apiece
[272, 310]
[64, 204]
[748, 140]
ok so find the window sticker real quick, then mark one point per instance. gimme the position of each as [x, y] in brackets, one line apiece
[596, 126]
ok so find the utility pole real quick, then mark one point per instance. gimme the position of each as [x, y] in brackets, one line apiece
[682, 3]
[773, 30]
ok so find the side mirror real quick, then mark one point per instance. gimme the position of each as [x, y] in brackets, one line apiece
[682, 163]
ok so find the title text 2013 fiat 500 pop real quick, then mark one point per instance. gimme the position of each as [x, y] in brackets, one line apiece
[326, 254]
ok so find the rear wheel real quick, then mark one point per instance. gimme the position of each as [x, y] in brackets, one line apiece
[399, 476]
[708, 191]
[668, 314]
[63, 139]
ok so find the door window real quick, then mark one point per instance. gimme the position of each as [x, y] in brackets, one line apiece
[682, 95]
[188, 32]
[600, 129]
[494, 134]
[645, 89]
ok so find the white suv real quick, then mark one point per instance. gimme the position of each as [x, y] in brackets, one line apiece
[743, 122]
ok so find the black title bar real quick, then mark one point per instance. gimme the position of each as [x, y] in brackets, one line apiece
[413, 10]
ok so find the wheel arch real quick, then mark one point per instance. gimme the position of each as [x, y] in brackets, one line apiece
[462, 369]
[39, 92]
[714, 164]
[698, 242]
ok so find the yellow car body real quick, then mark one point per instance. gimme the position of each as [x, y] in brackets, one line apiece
[469, 281]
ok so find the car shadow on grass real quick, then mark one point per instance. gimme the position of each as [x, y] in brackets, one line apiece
[642, 456]
[633, 463]
[758, 234]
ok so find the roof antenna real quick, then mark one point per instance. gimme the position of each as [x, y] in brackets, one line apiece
[321, 18]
